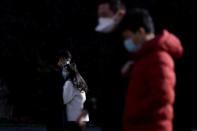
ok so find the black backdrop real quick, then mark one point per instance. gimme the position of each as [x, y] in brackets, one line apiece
[32, 31]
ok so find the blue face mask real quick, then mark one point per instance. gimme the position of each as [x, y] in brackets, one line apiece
[130, 45]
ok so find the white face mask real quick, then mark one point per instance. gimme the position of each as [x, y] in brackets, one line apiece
[105, 25]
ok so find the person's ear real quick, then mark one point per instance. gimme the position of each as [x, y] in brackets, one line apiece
[142, 31]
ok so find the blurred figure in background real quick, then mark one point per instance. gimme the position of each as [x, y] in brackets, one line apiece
[150, 96]
[6, 107]
[107, 72]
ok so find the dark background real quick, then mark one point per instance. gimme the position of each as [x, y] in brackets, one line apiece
[32, 31]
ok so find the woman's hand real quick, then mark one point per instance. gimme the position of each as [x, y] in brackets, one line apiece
[79, 119]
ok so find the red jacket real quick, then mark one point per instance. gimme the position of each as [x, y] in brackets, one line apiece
[151, 94]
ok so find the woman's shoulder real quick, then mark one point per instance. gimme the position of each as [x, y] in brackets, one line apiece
[68, 83]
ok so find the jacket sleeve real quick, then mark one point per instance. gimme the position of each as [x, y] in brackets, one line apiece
[160, 89]
[68, 92]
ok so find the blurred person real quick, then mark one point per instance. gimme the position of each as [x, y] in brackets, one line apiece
[110, 109]
[74, 96]
[6, 106]
[151, 89]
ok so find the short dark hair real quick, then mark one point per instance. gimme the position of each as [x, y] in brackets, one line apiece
[137, 18]
[111, 3]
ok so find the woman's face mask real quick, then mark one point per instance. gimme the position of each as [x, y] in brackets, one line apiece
[130, 46]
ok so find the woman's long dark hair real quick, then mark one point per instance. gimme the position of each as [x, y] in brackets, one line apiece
[76, 77]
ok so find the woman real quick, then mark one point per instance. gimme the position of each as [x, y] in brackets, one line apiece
[74, 96]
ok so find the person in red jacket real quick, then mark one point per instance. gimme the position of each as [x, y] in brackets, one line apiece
[151, 89]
